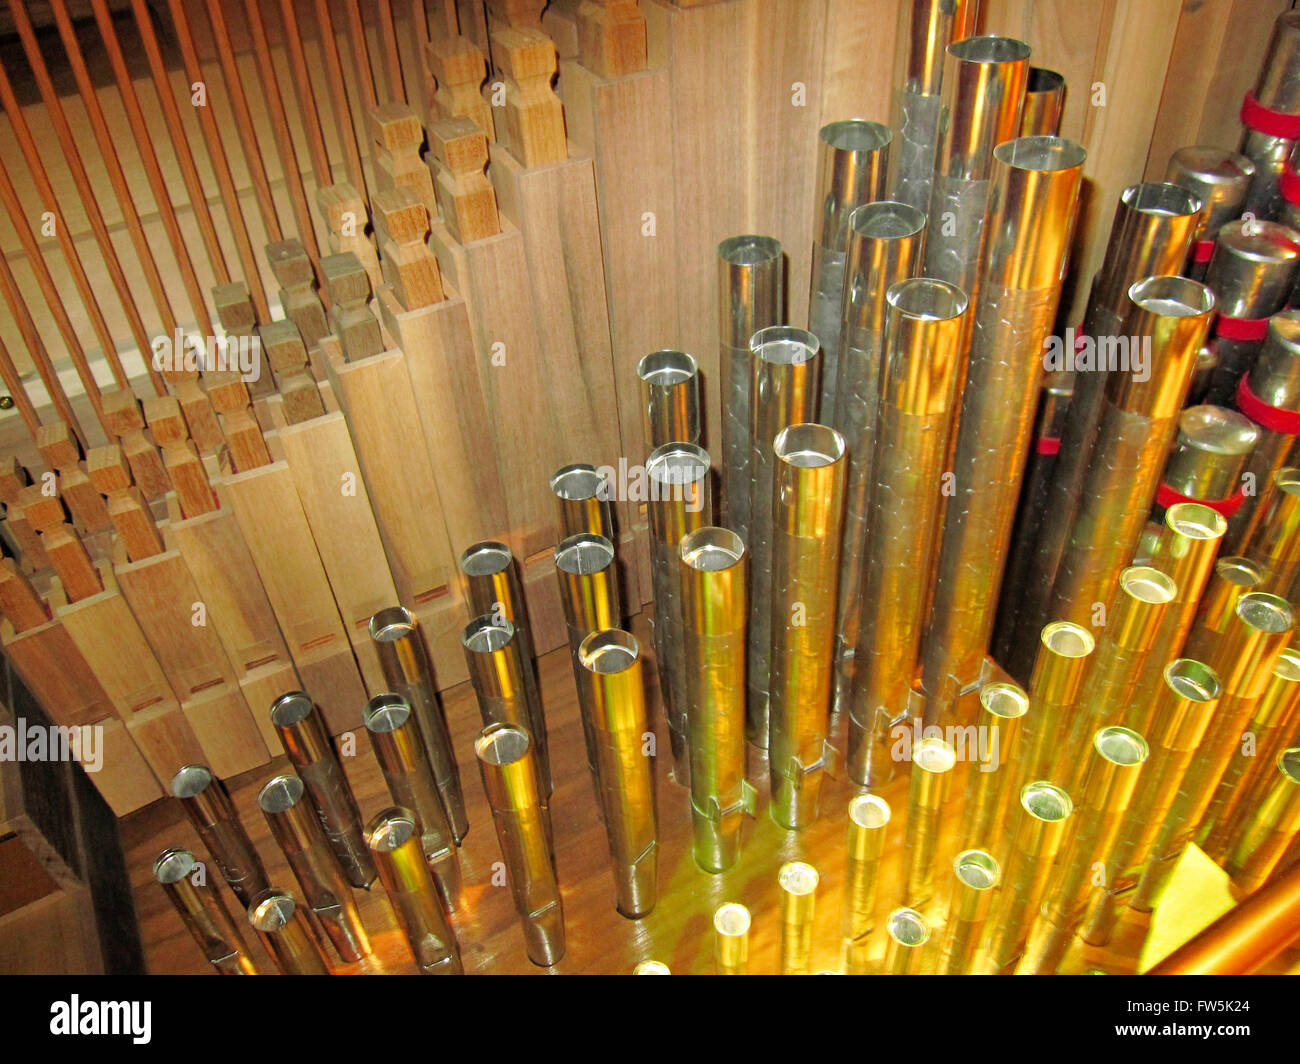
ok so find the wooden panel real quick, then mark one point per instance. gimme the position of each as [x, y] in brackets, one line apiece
[329, 674]
[124, 780]
[261, 687]
[860, 38]
[166, 741]
[52, 936]
[48, 660]
[225, 728]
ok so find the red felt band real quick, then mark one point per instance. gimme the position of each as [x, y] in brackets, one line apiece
[1047, 445]
[1167, 497]
[1254, 115]
[1241, 328]
[1289, 185]
[1202, 250]
[1287, 422]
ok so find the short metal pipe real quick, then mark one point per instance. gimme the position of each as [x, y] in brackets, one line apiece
[1270, 829]
[1064, 652]
[204, 913]
[797, 883]
[731, 939]
[907, 933]
[1275, 545]
[584, 496]
[284, 930]
[207, 804]
[670, 398]
[1231, 578]
[1210, 454]
[988, 794]
[868, 818]
[933, 760]
[1221, 180]
[1044, 102]
[1277, 89]
[976, 874]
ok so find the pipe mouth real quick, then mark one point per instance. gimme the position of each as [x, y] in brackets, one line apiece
[1288, 665]
[712, 549]
[1005, 700]
[580, 482]
[651, 968]
[934, 755]
[584, 554]
[1265, 613]
[1212, 165]
[502, 744]
[977, 869]
[391, 624]
[487, 634]
[677, 464]
[1162, 198]
[280, 794]
[1284, 327]
[809, 446]
[784, 345]
[1195, 521]
[173, 865]
[1239, 571]
[907, 927]
[749, 250]
[1193, 680]
[271, 910]
[989, 49]
[796, 877]
[1044, 153]
[1045, 801]
[927, 298]
[667, 368]
[855, 134]
[1068, 640]
[1269, 243]
[609, 651]
[390, 829]
[291, 708]
[1148, 585]
[386, 713]
[486, 559]
[1287, 480]
[731, 920]
[1172, 297]
[1121, 746]
[1288, 763]
[886, 220]
[869, 811]
[1218, 430]
[1043, 80]
[191, 781]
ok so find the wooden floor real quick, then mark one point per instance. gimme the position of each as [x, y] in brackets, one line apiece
[679, 930]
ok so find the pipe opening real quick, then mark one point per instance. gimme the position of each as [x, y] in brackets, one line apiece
[280, 794]
[731, 920]
[1068, 640]
[1005, 700]
[1193, 680]
[1288, 481]
[1162, 198]
[1045, 801]
[485, 559]
[784, 345]
[926, 298]
[749, 250]
[391, 624]
[1040, 153]
[1043, 80]
[1265, 613]
[609, 651]
[1172, 297]
[385, 713]
[487, 634]
[677, 464]
[666, 368]
[584, 554]
[271, 911]
[1148, 585]
[1259, 242]
[934, 755]
[1121, 746]
[795, 877]
[1284, 328]
[1195, 521]
[809, 446]
[869, 811]
[1288, 763]
[577, 483]
[390, 829]
[1239, 572]
[1288, 665]
[907, 927]
[502, 745]
[291, 708]
[856, 134]
[174, 865]
[886, 220]
[989, 49]
[712, 549]
[191, 780]
[976, 869]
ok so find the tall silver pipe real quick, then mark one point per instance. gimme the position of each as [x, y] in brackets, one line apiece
[1209, 455]
[670, 398]
[751, 296]
[1271, 114]
[284, 930]
[585, 500]
[203, 911]
[1044, 103]
[207, 804]
[1221, 180]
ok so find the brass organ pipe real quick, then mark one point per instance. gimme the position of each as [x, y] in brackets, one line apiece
[907, 934]
[680, 503]
[853, 163]
[786, 383]
[1209, 456]
[404, 762]
[408, 671]
[1275, 546]
[714, 567]
[1278, 89]
[1063, 655]
[886, 245]
[394, 838]
[808, 519]
[301, 839]
[1270, 828]
[523, 823]
[207, 804]
[1232, 578]
[497, 674]
[1221, 180]
[1032, 204]
[751, 296]
[203, 912]
[868, 818]
[988, 794]
[977, 873]
[731, 939]
[670, 398]
[922, 348]
[584, 497]
[933, 760]
[611, 672]
[1044, 101]
[284, 930]
[797, 882]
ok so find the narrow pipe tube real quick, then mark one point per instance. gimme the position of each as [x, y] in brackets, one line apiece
[1270, 829]
[651, 968]
[886, 244]
[907, 933]
[1064, 651]
[731, 939]
[1032, 203]
[714, 566]
[670, 398]
[611, 672]
[207, 804]
[680, 503]
[1149, 237]
[1232, 578]
[301, 729]
[868, 818]
[408, 671]
[584, 496]
[1278, 89]
[1221, 180]
[393, 835]
[301, 839]
[808, 521]
[1168, 319]
[203, 912]
[404, 762]
[1275, 546]
[523, 823]
[1210, 454]
[786, 383]
[983, 99]
[977, 873]
[899, 533]
[284, 930]
[1184, 706]
[1045, 812]
[988, 796]
[1044, 102]
[751, 297]
[797, 882]
[1118, 757]
[852, 167]
[933, 760]
[496, 672]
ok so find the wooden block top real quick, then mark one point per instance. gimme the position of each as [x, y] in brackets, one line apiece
[234, 307]
[13, 478]
[458, 144]
[282, 345]
[346, 278]
[612, 37]
[399, 215]
[44, 511]
[290, 263]
[342, 206]
[526, 14]
[456, 61]
[108, 469]
[58, 446]
[226, 390]
[121, 411]
[394, 126]
[525, 54]
[163, 413]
